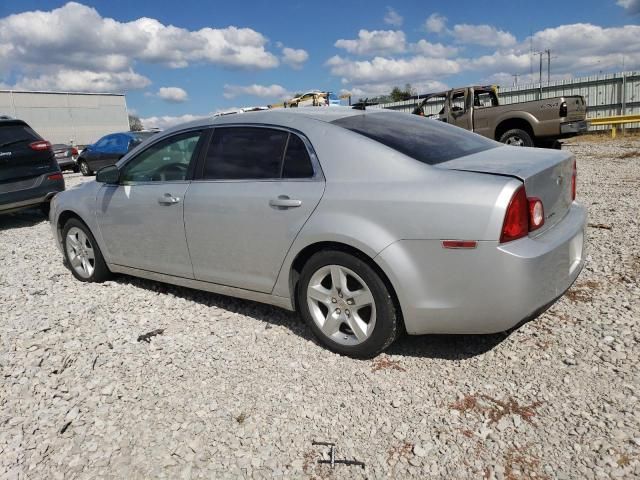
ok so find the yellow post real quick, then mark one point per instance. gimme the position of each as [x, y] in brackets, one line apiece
[613, 132]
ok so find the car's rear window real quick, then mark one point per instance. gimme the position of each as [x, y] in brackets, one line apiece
[428, 141]
[16, 134]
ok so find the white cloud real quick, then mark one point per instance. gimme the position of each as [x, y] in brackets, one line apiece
[84, 81]
[577, 49]
[376, 42]
[631, 6]
[263, 91]
[366, 90]
[485, 35]
[393, 18]
[386, 70]
[433, 49]
[167, 121]
[37, 44]
[436, 23]
[173, 94]
[293, 57]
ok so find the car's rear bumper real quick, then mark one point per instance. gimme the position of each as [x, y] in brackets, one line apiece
[488, 289]
[574, 128]
[27, 193]
[66, 163]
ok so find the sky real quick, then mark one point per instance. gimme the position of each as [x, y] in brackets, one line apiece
[180, 60]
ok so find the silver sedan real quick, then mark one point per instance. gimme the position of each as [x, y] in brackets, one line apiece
[368, 223]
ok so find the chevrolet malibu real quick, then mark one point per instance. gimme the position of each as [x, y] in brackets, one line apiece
[368, 223]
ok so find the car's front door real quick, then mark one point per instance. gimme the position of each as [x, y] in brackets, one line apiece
[255, 192]
[460, 110]
[141, 219]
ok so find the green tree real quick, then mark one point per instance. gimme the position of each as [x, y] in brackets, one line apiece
[135, 124]
[398, 94]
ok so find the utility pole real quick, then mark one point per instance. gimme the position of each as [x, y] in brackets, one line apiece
[548, 65]
[540, 53]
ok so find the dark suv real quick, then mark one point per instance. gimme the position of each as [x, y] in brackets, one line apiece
[29, 173]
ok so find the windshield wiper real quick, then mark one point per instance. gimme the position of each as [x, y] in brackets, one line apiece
[14, 141]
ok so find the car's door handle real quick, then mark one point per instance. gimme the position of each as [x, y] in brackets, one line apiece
[168, 199]
[283, 201]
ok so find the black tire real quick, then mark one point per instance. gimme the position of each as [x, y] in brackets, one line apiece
[75, 168]
[517, 137]
[84, 168]
[388, 323]
[101, 271]
[45, 208]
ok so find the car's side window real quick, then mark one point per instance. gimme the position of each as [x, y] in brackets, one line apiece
[164, 161]
[458, 102]
[239, 153]
[103, 142]
[297, 163]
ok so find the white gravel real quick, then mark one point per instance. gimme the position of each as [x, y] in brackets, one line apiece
[238, 389]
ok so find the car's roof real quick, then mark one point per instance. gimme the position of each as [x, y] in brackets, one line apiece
[279, 116]
[11, 121]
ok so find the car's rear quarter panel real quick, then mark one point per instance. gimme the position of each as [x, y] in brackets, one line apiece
[402, 199]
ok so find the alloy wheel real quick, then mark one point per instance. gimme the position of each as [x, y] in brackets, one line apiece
[80, 252]
[515, 140]
[341, 305]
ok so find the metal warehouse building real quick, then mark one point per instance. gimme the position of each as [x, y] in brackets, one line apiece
[65, 117]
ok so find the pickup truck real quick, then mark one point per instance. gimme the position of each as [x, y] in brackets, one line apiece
[535, 123]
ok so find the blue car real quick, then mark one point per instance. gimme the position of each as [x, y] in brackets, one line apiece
[109, 149]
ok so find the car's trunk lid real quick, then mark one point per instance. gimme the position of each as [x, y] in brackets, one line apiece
[17, 159]
[547, 174]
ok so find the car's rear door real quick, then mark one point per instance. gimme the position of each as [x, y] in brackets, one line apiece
[257, 188]
[141, 219]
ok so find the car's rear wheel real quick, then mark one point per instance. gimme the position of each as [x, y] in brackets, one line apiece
[517, 138]
[84, 168]
[347, 305]
[82, 254]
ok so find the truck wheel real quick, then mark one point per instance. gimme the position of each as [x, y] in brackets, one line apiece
[517, 138]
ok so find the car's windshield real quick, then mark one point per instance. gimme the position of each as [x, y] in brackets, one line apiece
[428, 141]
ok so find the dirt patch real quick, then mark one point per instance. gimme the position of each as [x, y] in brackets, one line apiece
[583, 292]
[385, 363]
[630, 154]
[496, 409]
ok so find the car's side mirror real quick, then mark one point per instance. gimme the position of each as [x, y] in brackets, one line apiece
[109, 175]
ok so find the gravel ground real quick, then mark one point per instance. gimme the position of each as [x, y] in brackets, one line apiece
[232, 388]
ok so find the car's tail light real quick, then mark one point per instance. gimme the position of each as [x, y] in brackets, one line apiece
[536, 213]
[574, 180]
[563, 109]
[74, 151]
[55, 176]
[40, 145]
[516, 220]
[523, 215]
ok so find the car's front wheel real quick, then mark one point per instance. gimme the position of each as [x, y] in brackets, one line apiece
[82, 254]
[84, 168]
[347, 305]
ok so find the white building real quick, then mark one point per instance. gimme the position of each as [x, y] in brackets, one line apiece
[65, 117]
